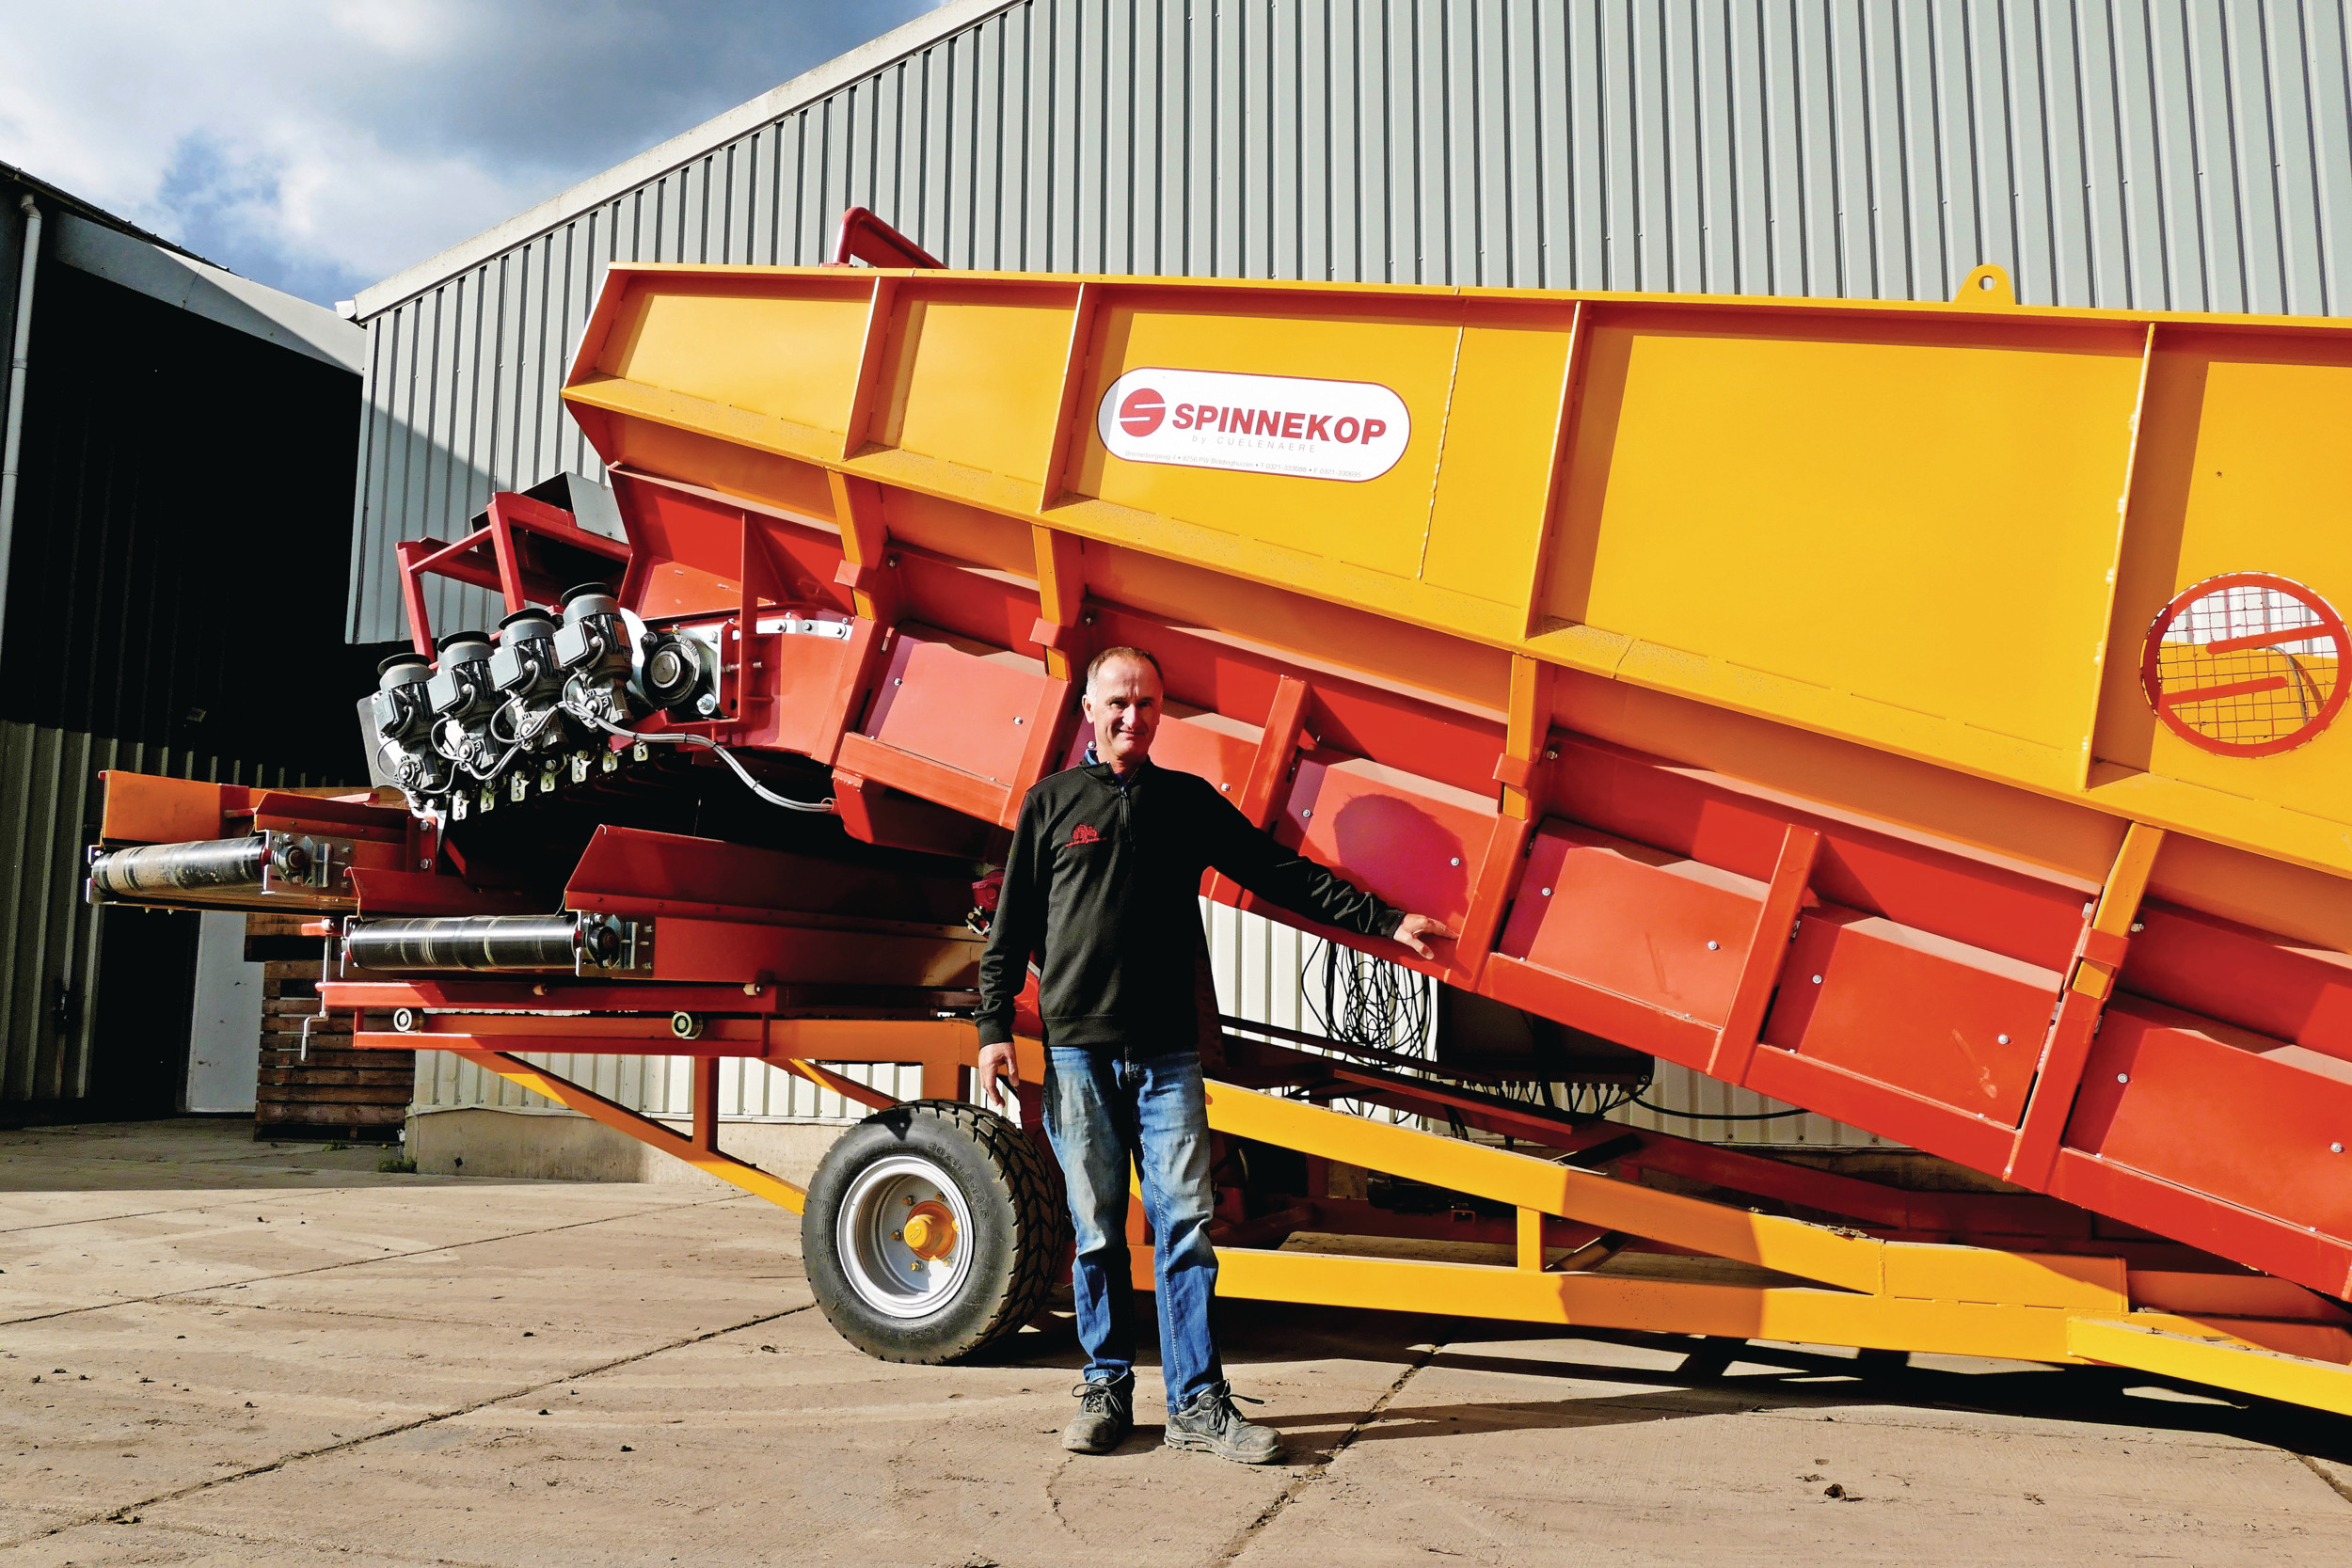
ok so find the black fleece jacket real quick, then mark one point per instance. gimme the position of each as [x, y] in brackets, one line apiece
[1106, 880]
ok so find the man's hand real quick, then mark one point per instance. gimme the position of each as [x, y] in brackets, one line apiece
[999, 1074]
[1410, 930]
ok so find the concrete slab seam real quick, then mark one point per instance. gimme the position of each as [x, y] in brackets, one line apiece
[1314, 1473]
[124, 1513]
[2320, 1470]
[363, 1262]
[288, 1195]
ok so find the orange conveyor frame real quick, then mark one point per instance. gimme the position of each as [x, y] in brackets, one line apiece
[1920, 713]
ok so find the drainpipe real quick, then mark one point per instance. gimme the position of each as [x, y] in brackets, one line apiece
[19, 356]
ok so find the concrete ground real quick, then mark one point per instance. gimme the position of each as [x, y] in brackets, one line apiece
[219, 1352]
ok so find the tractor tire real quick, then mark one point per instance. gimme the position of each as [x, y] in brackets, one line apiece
[932, 1230]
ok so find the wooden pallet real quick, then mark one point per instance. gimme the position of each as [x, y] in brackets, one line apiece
[328, 1090]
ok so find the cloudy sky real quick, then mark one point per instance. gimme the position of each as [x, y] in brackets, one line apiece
[323, 146]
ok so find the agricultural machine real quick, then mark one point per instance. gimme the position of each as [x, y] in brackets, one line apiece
[1924, 714]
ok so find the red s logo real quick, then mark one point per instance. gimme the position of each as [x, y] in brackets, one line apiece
[1084, 835]
[1142, 411]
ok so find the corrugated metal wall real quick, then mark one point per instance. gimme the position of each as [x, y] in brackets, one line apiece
[52, 996]
[2185, 155]
[2191, 155]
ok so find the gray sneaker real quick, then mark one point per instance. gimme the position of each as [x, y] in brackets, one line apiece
[1107, 1413]
[1210, 1424]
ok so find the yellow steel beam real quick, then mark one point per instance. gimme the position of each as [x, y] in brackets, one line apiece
[1814, 1252]
[589, 1103]
[1647, 1306]
[2221, 1362]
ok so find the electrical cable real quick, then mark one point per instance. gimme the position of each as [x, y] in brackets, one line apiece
[518, 743]
[1368, 1001]
[707, 743]
[1705, 1116]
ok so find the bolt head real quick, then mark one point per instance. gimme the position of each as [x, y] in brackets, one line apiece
[2335, 1148]
[2122, 1077]
[1547, 893]
[1713, 946]
[2000, 1040]
[1456, 860]
[1817, 980]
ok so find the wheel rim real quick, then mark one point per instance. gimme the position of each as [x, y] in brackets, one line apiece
[890, 1273]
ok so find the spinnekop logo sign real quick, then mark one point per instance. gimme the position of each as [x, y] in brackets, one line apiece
[1349, 431]
[1141, 412]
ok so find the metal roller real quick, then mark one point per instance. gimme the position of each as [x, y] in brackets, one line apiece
[150, 868]
[473, 941]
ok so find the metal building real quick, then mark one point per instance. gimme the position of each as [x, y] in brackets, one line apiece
[2189, 156]
[169, 426]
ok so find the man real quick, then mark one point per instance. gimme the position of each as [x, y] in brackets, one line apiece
[1104, 877]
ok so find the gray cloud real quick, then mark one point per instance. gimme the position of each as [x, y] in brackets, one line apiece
[320, 147]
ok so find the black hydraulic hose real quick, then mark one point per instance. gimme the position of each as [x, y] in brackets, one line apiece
[683, 738]
[1708, 1116]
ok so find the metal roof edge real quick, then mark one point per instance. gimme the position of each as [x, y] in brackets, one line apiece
[68, 201]
[213, 293]
[679, 150]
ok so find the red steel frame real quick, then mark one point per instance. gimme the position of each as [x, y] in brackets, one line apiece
[1814, 956]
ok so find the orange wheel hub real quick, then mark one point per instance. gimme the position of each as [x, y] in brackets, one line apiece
[930, 1231]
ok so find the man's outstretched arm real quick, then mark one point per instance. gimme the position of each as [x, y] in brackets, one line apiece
[1248, 854]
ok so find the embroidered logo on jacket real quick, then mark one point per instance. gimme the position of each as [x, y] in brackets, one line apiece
[1084, 835]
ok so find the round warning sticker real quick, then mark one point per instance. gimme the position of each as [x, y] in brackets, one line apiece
[1350, 431]
[2246, 665]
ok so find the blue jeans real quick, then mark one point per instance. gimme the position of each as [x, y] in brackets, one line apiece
[1101, 1109]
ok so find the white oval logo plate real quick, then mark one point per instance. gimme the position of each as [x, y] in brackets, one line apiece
[1350, 431]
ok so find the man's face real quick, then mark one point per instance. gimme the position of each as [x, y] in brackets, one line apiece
[1122, 703]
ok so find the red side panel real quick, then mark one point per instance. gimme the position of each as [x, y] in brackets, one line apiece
[2163, 1086]
[1953, 1023]
[1634, 920]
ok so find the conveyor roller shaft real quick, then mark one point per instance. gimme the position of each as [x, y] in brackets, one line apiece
[150, 868]
[554, 942]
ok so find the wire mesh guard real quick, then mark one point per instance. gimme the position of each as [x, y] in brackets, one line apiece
[2246, 665]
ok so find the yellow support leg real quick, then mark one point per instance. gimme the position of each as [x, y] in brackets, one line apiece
[589, 1103]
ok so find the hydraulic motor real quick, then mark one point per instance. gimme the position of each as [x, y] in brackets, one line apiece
[594, 649]
[463, 701]
[403, 715]
[525, 673]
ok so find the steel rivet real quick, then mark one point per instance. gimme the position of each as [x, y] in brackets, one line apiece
[1456, 860]
[1547, 893]
[1817, 980]
[2335, 1148]
[1016, 719]
[2000, 1040]
[1713, 945]
[1304, 815]
[2122, 1077]
[1551, 757]
[1226, 788]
